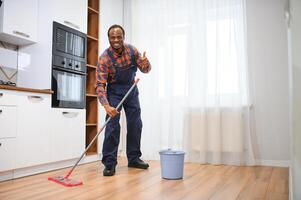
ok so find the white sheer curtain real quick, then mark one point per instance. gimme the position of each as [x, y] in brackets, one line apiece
[196, 96]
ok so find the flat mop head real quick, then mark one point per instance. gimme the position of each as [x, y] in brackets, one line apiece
[65, 181]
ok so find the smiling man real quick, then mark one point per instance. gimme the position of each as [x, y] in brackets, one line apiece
[115, 74]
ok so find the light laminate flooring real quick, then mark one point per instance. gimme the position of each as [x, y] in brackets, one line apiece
[200, 182]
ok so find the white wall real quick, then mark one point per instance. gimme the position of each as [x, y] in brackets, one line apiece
[111, 12]
[268, 63]
[295, 29]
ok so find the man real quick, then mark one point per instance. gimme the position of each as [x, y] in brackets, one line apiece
[115, 74]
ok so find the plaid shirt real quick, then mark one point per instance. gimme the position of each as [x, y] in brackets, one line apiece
[105, 72]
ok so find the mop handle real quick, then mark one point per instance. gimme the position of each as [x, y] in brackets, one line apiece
[104, 125]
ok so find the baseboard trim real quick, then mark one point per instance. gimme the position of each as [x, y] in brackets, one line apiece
[273, 163]
[91, 158]
[7, 175]
[18, 173]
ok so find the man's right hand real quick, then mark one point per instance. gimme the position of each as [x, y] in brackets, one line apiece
[111, 111]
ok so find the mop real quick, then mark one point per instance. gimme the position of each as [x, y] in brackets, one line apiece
[65, 180]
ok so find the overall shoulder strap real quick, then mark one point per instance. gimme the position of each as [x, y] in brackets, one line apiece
[133, 59]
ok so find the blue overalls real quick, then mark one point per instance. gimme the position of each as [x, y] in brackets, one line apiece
[124, 77]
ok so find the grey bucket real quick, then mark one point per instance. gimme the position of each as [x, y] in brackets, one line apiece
[172, 164]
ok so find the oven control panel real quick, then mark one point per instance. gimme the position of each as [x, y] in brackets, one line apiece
[68, 63]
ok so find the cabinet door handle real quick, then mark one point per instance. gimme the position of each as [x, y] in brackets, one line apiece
[0, 144]
[0, 111]
[21, 33]
[72, 24]
[70, 114]
[1, 94]
[35, 98]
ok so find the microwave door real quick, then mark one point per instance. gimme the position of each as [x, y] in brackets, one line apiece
[79, 46]
[60, 39]
[70, 43]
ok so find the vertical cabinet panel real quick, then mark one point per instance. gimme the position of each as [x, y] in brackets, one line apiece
[33, 138]
[68, 133]
[7, 154]
[8, 121]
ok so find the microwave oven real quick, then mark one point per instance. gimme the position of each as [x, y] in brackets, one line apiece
[68, 42]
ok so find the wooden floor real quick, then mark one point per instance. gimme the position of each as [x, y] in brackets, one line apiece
[199, 182]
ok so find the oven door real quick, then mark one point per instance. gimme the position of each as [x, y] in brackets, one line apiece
[69, 89]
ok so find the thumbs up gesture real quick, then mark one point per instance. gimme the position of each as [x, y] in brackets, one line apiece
[144, 63]
[144, 57]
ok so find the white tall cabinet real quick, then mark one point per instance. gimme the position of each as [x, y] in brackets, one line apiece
[18, 21]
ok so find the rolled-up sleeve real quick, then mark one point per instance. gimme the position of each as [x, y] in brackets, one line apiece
[101, 80]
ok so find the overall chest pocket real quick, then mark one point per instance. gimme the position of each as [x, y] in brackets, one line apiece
[125, 74]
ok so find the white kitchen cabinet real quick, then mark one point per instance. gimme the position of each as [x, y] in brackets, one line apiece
[68, 133]
[72, 13]
[8, 121]
[8, 129]
[7, 98]
[7, 154]
[33, 134]
[18, 21]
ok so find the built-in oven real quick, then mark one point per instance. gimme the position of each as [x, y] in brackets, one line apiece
[68, 82]
[68, 67]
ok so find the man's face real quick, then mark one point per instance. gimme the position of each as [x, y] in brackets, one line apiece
[116, 38]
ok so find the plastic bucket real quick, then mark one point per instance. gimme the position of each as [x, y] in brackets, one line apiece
[172, 164]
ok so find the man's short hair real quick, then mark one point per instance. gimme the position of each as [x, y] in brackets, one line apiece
[116, 26]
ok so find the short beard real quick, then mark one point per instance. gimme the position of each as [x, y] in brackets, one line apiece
[119, 50]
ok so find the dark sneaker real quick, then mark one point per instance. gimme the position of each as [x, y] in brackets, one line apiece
[109, 171]
[140, 164]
